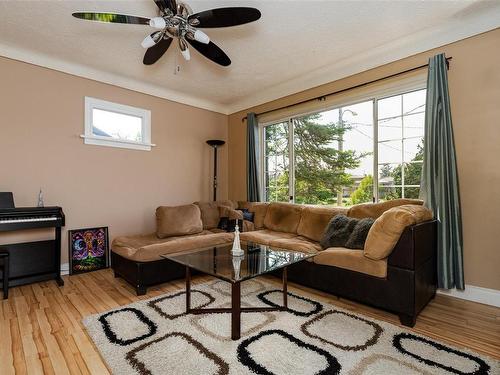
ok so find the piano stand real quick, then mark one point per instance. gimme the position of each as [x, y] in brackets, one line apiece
[4, 263]
[57, 244]
[32, 262]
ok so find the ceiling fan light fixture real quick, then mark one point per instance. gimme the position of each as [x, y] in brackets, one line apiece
[186, 54]
[148, 42]
[201, 37]
[157, 23]
[184, 49]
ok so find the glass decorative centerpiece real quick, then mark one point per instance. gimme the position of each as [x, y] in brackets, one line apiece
[237, 266]
[236, 251]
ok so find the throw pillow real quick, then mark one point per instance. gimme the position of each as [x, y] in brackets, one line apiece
[247, 215]
[231, 225]
[228, 217]
[358, 236]
[338, 231]
[223, 223]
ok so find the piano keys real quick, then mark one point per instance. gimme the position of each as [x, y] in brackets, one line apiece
[39, 260]
[30, 218]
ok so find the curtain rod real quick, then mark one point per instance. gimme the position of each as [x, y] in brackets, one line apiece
[323, 97]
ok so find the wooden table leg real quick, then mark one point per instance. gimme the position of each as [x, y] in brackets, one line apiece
[235, 311]
[188, 289]
[285, 289]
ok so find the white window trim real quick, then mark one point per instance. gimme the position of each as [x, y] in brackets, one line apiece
[91, 139]
[418, 82]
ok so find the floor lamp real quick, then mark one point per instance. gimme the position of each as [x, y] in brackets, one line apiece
[215, 143]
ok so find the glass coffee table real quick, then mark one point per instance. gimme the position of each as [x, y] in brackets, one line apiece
[218, 261]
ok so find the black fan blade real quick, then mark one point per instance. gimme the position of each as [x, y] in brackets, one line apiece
[154, 53]
[167, 4]
[211, 51]
[225, 17]
[112, 17]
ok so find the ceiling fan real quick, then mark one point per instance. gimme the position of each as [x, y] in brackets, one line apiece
[177, 20]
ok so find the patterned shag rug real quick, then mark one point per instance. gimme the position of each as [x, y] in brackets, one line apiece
[155, 336]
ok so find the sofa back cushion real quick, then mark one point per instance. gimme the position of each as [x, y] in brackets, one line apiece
[283, 217]
[210, 214]
[259, 210]
[230, 213]
[178, 221]
[245, 204]
[227, 203]
[386, 230]
[314, 220]
[374, 210]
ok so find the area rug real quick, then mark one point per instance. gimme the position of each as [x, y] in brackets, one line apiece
[155, 336]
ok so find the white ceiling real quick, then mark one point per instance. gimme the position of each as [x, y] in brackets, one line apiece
[294, 46]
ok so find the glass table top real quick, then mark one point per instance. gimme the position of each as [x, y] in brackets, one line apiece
[257, 260]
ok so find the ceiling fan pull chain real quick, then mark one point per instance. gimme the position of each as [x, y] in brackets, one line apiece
[177, 67]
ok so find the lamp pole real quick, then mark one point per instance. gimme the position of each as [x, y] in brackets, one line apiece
[215, 143]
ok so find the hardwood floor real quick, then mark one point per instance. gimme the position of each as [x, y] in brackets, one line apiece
[41, 330]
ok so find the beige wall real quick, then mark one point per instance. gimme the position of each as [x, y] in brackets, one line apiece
[474, 84]
[41, 118]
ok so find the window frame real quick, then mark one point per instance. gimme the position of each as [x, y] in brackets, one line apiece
[397, 88]
[92, 139]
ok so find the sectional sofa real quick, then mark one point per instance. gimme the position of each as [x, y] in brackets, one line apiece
[395, 271]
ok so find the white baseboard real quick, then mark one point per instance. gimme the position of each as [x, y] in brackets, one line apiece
[475, 294]
[65, 269]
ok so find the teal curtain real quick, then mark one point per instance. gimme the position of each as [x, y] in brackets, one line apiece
[439, 185]
[253, 193]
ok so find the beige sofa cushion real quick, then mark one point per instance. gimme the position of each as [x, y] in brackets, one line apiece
[283, 217]
[177, 221]
[259, 210]
[264, 236]
[387, 229]
[298, 243]
[245, 204]
[128, 245]
[353, 260]
[210, 214]
[314, 220]
[230, 213]
[228, 203]
[145, 249]
[248, 226]
[374, 210]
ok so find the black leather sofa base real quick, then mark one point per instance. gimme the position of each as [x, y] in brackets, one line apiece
[142, 275]
[410, 283]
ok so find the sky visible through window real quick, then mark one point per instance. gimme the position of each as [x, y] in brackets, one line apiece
[116, 125]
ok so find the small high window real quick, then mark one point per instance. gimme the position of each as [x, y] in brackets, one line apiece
[117, 125]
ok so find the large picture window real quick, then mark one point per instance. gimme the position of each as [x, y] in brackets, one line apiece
[363, 152]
